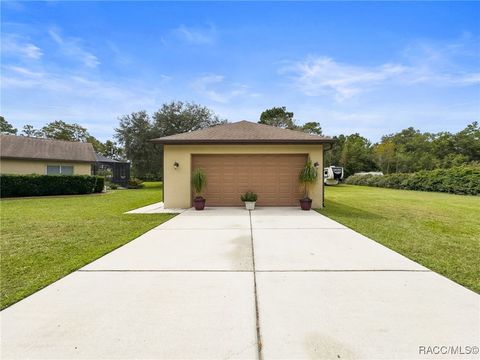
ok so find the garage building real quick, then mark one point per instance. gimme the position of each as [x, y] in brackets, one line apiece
[239, 157]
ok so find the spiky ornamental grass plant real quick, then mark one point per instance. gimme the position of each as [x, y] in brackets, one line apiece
[199, 181]
[308, 175]
[249, 196]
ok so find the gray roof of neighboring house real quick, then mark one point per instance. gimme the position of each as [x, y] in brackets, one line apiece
[24, 147]
[104, 159]
[243, 132]
[101, 158]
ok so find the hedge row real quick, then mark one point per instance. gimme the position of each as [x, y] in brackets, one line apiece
[40, 185]
[463, 180]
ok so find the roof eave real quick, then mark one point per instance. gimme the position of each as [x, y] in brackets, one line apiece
[243, 142]
[45, 159]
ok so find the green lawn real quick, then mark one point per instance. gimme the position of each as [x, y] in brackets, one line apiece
[44, 239]
[439, 231]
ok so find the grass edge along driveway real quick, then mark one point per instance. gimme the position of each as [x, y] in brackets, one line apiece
[439, 231]
[45, 238]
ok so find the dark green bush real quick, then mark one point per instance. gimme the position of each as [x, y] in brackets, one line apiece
[40, 185]
[463, 180]
[99, 185]
[151, 177]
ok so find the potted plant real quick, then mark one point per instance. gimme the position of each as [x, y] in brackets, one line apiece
[249, 199]
[308, 175]
[199, 180]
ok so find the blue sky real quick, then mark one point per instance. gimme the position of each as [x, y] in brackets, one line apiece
[373, 68]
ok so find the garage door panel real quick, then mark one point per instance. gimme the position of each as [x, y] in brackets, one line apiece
[274, 177]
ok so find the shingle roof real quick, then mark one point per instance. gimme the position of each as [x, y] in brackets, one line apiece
[243, 132]
[24, 147]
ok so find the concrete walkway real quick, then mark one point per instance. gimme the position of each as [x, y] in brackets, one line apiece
[229, 284]
[157, 208]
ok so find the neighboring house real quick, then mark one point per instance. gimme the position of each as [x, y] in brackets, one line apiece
[29, 155]
[239, 157]
[116, 171]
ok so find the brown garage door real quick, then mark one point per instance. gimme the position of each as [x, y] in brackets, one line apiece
[274, 178]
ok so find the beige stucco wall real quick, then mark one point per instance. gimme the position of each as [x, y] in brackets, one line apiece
[11, 166]
[177, 187]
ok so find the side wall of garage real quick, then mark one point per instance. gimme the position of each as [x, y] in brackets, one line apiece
[177, 187]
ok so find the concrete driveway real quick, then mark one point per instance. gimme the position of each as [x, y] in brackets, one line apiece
[229, 284]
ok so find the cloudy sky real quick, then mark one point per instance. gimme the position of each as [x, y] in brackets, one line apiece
[373, 68]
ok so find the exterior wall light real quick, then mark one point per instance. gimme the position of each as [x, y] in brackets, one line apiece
[316, 164]
[176, 165]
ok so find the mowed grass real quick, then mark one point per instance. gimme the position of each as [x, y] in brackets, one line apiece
[44, 239]
[439, 231]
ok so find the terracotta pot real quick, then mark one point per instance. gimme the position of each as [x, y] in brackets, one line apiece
[199, 203]
[306, 203]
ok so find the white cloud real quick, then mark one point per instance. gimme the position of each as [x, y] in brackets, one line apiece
[25, 72]
[213, 87]
[32, 96]
[72, 47]
[438, 65]
[18, 46]
[323, 75]
[199, 36]
[203, 86]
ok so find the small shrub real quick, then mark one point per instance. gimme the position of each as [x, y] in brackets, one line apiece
[41, 185]
[248, 196]
[112, 186]
[462, 180]
[151, 177]
[135, 184]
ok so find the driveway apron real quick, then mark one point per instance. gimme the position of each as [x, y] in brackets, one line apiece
[225, 283]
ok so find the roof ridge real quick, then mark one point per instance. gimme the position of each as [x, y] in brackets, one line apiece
[45, 139]
[243, 131]
[280, 128]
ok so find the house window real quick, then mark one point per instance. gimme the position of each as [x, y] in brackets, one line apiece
[59, 170]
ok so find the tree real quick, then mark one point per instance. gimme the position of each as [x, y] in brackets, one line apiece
[113, 151]
[7, 128]
[135, 131]
[332, 156]
[356, 155]
[413, 150]
[178, 117]
[312, 127]
[98, 146]
[60, 130]
[279, 117]
[467, 141]
[29, 130]
[385, 156]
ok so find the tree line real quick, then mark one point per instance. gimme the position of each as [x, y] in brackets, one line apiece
[407, 151]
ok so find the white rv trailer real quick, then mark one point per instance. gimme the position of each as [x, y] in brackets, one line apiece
[332, 175]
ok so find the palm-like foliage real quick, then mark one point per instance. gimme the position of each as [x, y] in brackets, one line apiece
[248, 196]
[199, 180]
[308, 175]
